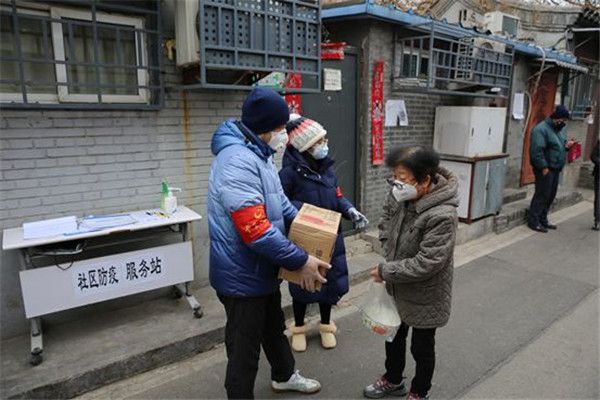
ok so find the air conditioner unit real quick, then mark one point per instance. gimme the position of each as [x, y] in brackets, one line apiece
[483, 43]
[186, 34]
[502, 24]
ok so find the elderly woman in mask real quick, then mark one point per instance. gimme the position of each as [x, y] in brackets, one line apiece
[417, 232]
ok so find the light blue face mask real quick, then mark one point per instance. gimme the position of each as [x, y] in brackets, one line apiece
[320, 152]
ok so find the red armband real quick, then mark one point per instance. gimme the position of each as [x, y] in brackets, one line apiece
[338, 192]
[251, 222]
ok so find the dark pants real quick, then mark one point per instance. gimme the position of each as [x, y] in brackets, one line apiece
[300, 312]
[545, 193]
[252, 322]
[422, 348]
[597, 198]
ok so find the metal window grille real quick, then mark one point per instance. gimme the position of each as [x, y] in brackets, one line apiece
[583, 88]
[81, 54]
[242, 41]
[455, 66]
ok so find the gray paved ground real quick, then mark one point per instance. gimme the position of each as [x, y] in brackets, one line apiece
[524, 325]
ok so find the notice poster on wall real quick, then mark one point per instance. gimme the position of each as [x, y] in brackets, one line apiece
[395, 113]
[377, 114]
[294, 101]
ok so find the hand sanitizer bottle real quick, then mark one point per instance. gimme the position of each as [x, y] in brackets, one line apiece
[171, 201]
[164, 192]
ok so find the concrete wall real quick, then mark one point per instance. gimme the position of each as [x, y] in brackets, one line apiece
[57, 163]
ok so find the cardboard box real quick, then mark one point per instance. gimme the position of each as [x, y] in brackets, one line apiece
[315, 230]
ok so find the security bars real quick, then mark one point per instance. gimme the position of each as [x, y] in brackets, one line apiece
[81, 54]
[241, 38]
[435, 63]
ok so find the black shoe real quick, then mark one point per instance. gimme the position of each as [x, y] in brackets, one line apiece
[550, 226]
[538, 228]
[596, 226]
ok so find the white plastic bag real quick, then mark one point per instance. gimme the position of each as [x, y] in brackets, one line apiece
[379, 312]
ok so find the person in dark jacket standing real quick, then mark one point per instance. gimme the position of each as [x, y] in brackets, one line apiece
[307, 177]
[548, 154]
[595, 157]
[417, 232]
[247, 215]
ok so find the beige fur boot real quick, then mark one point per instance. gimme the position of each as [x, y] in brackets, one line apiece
[298, 338]
[328, 340]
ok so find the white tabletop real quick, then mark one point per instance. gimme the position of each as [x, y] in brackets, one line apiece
[13, 238]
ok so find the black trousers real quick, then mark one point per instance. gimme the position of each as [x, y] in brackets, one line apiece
[597, 198]
[300, 312]
[422, 348]
[545, 193]
[252, 322]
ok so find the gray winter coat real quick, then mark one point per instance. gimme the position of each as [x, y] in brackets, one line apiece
[418, 242]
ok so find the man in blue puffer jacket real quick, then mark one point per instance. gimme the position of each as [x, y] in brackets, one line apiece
[247, 217]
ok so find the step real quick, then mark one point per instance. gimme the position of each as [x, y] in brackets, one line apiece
[465, 232]
[510, 195]
[80, 356]
[515, 214]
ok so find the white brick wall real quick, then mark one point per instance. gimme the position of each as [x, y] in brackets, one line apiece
[61, 162]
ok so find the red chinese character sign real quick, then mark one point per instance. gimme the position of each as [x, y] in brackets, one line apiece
[294, 101]
[332, 51]
[377, 114]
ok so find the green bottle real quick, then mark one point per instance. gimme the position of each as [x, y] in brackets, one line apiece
[164, 192]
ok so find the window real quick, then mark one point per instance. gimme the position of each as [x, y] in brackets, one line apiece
[64, 56]
[581, 93]
[414, 65]
[39, 78]
[120, 50]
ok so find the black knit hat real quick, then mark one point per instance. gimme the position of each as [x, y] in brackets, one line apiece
[264, 110]
[560, 112]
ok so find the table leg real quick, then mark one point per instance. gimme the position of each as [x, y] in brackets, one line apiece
[183, 289]
[37, 346]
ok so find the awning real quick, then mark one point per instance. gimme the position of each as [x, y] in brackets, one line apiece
[391, 14]
[562, 64]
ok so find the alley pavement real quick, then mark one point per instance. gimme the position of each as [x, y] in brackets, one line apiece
[524, 324]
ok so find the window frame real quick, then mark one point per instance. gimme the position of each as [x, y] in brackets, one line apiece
[44, 98]
[420, 54]
[59, 55]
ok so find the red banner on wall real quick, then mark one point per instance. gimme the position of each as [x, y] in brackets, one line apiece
[377, 114]
[294, 101]
[332, 51]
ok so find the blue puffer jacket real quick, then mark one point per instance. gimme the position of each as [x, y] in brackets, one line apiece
[247, 247]
[305, 185]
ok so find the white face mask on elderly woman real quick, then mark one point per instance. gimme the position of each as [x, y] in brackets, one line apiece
[402, 191]
[278, 140]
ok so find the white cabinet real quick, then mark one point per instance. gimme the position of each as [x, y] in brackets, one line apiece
[480, 184]
[469, 131]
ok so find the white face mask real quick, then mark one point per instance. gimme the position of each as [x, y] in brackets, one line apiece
[403, 191]
[320, 152]
[278, 140]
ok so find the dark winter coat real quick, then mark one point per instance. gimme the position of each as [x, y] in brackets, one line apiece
[418, 240]
[547, 146]
[317, 186]
[595, 157]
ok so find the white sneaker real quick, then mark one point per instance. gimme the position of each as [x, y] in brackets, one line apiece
[297, 383]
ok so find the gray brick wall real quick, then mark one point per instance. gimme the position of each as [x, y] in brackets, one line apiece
[421, 116]
[57, 163]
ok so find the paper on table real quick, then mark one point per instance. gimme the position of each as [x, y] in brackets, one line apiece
[518, 106]
[105, 221]
[49, 227]
[395, 110]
